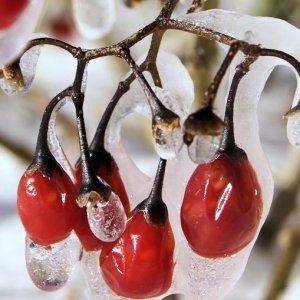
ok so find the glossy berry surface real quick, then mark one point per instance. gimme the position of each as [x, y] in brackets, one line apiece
[10, 11]
[140, 263]
[222, 206]
[111, 175]
[44, 206]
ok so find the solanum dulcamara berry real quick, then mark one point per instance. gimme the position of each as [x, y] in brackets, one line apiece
[140, 263]
[45, 205]
[222, 205]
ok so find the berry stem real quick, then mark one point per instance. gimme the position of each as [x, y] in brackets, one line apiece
[43, 158]
[213, 88]
[90, 181]
[155, 208]
[228, 138]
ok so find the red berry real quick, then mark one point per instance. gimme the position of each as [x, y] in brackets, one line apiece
[111, 175]
[222, 206]
[10, 11]
[44, 206]
[140, 263]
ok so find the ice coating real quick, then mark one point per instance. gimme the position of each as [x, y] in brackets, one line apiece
[28, 62]
[13, 40]
[54, 144]
[50, 267]
[94, 18]
[177, 94]
[256, 30]
[107, 220]
[194, 276]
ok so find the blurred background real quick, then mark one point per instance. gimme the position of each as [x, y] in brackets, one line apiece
[273, 270]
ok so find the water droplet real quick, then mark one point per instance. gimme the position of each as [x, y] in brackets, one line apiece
[107, 220]
[203, 148]
[50, 267]
[293, 129]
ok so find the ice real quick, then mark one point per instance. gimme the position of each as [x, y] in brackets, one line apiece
[293, 129]
[107, 220]
[13, 40]
[98, 289]
[28, 62]
[203, 148]
[53, 141]
[177, 94]
[50, 267]
[94, 18]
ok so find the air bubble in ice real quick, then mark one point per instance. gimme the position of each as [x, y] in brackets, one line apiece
[203, 148]
[94, 18]
[107, 220]
[50, 267]
[293, 129]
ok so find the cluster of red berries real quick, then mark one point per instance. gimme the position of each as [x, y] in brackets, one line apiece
[220, 211]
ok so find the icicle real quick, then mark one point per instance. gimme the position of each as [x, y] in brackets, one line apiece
[107, 220]
[50, 267]
[94, 18]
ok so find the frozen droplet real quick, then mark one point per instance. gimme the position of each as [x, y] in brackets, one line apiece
[94, 18]
[203, 148]
[293, 129]
[50, 267]
[26, 69]
[107, 220]
[168, 143]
